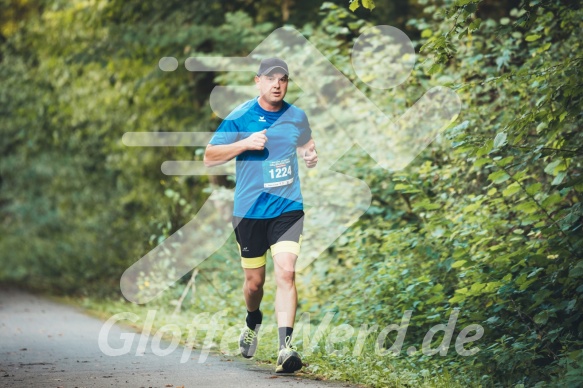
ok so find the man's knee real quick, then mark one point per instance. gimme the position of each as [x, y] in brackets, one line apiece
[254, 287]
[254, 282]
[285, 264]
[286, 279]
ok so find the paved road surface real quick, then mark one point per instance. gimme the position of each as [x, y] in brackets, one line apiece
[46, 344]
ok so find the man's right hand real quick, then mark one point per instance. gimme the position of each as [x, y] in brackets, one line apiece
[215, 155]
[256, 142]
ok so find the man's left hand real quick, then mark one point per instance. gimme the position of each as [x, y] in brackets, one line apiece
[311, 157]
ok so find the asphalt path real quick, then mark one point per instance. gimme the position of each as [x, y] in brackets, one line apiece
[47, 344]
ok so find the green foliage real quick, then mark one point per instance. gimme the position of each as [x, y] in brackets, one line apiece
[487, 219]
[78, 207]
[354, 4]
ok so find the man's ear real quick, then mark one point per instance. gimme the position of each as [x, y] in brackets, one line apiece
[257, 81]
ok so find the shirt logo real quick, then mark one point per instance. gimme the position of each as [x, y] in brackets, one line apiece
[262, 119]
[245, 249]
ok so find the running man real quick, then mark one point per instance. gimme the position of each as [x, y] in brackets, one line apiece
[265, 135]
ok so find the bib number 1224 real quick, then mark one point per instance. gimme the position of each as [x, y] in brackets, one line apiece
[281, 172]
[277, 173]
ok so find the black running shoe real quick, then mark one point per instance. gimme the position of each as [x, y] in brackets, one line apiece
[248, 342]
[288, 360]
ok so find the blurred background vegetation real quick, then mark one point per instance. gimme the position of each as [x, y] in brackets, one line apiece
[487, 219]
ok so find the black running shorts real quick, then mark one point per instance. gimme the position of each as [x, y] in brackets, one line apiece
[256, 236]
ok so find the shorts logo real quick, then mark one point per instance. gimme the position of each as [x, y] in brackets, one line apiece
[245, 249]
[262, 119]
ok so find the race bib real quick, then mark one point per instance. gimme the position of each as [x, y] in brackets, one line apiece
[277, 172]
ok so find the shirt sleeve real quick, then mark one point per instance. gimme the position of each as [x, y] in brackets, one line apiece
[226, 133]
[305, 130]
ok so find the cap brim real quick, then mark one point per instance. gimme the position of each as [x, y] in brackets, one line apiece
[269, 70]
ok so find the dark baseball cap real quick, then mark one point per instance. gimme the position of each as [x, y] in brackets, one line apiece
[270, 64]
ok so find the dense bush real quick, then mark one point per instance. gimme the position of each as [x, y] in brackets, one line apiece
[486, 220]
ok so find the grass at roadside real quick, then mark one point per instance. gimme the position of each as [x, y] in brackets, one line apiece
[210, 315]
[215, 324]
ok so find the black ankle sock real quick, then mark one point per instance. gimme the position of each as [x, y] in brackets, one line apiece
[254, 318]
[284, 332]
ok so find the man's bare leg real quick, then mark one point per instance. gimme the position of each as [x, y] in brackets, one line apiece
[286, 301]
[286, 296]
[253, 287]
[253, 293]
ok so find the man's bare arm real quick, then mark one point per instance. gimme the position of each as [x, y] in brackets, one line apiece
[215, 155]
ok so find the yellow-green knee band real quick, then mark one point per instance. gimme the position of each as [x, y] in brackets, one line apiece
[254, 262]
[287, 247]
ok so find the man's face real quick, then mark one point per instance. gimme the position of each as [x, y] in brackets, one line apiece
[272, 87]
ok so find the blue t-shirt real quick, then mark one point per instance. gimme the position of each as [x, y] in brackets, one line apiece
[267, 181]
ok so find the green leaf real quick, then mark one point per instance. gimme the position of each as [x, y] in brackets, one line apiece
[527, 207]
[368, 4]
[511, 190]
[472, 207]
[457, 298]
[498, 176]
[541, 318]
[458, 263]
[559, 178]
[492, 286]
[551, 200]
[541, 127]
[527, 283]
[436, 67]
[487, 147]
[572, 183]
[169, 193]
[544, 48]
[495, 248]
[426, 204]
[577, 271]
[471, 8]
[534, 188]
[532, 38]
[462, 33]
[500, 140]
[354, 4]
[477, 287]
[475, 24]
[519, 175]
[540, 297]
[506, 161]
[554, 167]
[480, 162]
[405, 188]
[437, 288]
